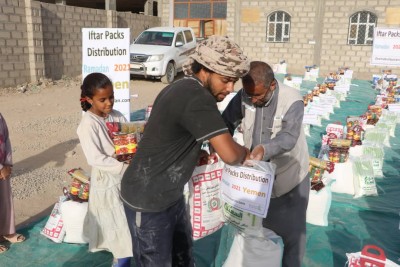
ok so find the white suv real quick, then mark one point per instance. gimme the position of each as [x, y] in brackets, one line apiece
[160, 52]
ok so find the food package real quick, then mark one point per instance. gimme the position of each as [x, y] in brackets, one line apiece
[79, 187]
[126, 127]
[125, 136]
[356, 120]
[355, 129]
[322, 88]
[317, 168]
[125, 144]
[372, 118]
[79, 174]
[339, 150]
[323, 164]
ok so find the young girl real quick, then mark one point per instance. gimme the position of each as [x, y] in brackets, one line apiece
[7, 223]
[105, 223]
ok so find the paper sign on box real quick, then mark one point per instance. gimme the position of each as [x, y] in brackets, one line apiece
[247, 188]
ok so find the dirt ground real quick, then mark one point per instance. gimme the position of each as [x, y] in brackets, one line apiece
[42, 121]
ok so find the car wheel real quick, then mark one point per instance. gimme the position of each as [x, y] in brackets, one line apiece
[169, 73]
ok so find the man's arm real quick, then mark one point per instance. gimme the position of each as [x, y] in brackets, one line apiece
[232, 115]
[286, 138]
[230, 152]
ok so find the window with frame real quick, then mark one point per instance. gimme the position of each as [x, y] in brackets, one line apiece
[278, 27]
[361, 28]
[200, 9]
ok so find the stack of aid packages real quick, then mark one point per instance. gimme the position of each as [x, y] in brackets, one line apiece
[125, 136]
[320, 196]
[65, 223]
[336, 147]
[389, 91]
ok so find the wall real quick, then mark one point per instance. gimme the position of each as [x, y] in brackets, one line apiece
[44, 40]
[14, 55]
[321, 21]
[318, 32]
[166, 12]
[336, 52]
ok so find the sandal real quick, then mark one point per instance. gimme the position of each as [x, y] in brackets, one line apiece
[3, 248]
[16, 238]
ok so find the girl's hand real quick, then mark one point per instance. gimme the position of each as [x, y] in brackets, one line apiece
[5, 172]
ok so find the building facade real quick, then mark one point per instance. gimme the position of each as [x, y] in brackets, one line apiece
[327, 33]
[40, 39]
[44, 40]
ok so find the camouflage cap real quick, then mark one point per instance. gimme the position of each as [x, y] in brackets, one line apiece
[221, 55]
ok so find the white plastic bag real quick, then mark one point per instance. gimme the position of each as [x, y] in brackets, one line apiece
[241, 220]
[262, 248]
[54, 228]
[364, 180]
[204, 199]
[73, 214]
[343, 178]
[249, 187]
[318, 207]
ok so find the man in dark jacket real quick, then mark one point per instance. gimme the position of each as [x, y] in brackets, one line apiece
[184, 115]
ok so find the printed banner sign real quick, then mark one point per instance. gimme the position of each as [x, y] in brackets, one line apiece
[386, 48]
[106, 50]
[247, 189]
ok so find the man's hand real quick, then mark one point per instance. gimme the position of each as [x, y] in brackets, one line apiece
[247, 155]
[257, 153]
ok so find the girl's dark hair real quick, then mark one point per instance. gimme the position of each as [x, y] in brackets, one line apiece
[90, 84]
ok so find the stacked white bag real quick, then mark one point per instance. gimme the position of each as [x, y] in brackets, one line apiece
[253, 245]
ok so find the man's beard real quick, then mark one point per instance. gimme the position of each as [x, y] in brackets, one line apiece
[266, 99]
[208, 86]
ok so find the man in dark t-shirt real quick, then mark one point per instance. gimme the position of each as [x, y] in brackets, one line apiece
[184, 115]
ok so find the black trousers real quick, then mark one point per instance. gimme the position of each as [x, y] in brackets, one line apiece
[161, 239]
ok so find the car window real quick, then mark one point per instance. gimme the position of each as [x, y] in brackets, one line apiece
[167, 38]
[179, 38]
[144, 38]
[155, 38]
[188, 36]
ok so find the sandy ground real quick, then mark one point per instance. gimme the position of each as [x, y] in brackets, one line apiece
[42, 123]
